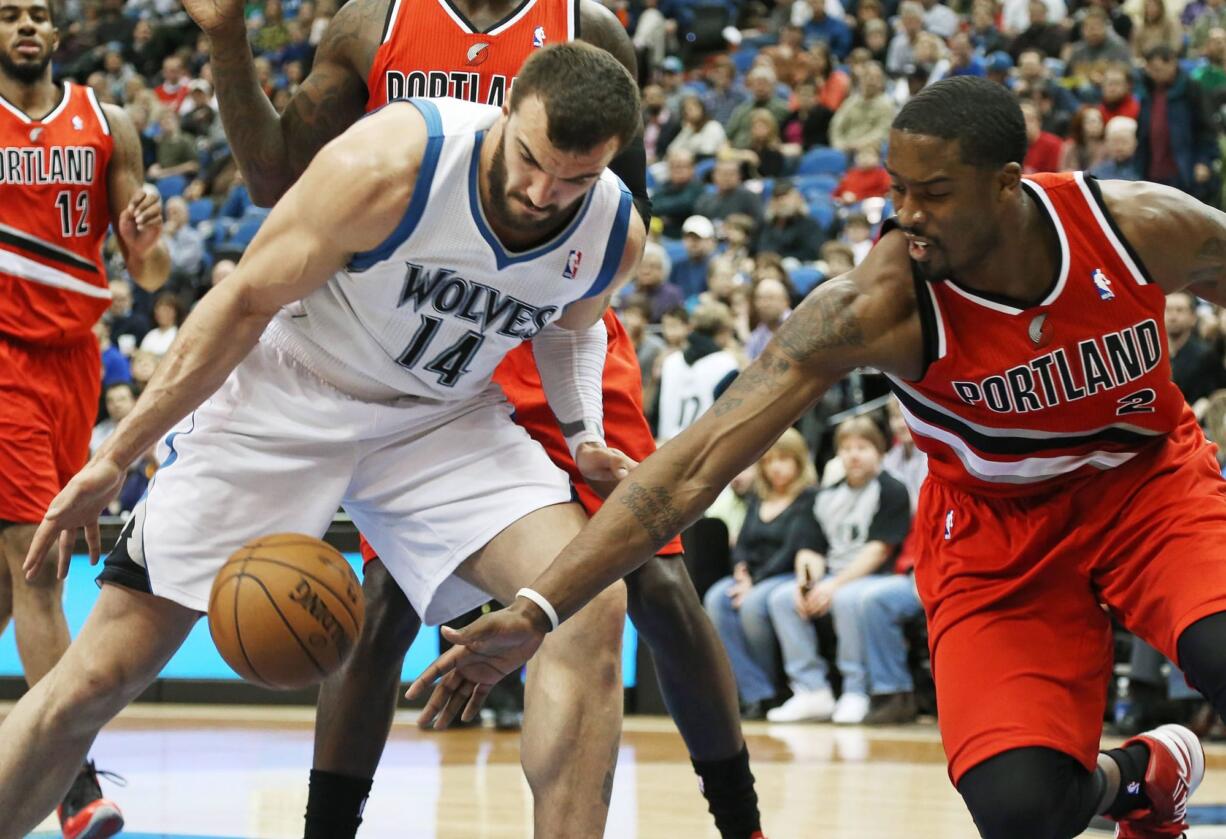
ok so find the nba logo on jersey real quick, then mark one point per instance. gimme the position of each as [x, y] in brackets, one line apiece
[949, 525]
[572, 265]
[1103, 285]
[538, 37]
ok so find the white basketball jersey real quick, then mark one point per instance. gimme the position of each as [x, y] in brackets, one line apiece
[433, 310]
[688, 390]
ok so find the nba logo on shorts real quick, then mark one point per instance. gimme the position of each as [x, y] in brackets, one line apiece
[538, 37]
[1102, 284]
[572, 265]
[949, 525]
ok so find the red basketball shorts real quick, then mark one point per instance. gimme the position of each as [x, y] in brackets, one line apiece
[625, 427]
[47, 410]
[1017, 590]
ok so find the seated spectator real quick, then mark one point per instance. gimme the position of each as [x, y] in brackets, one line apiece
[963, 60]
[127, 326]
[876, 44]
[1120, 143]
[675, 330]
[690, 274]
[1085, 146]
[116, 73]
[635, 314]
[1043, 32]
[167, 315]
[1212, 16]
[761, 83]
[828, 29]
[1034, 82]
[902, 46]
[144, 365]
[199, 117]
[856, 528]
[176, 152]
[700, 134]
[808, 123]
[776, 519]
[730, 195]
[864, 119]
[984, 34]
[940, 20]
[771, 307]
[866, 179]
[673, 201]
[184, 242]
[1156, 28]
[790, 231]
[763, 157]
[904, 460]
[1176, 142]
[858, 235]
[723, 94]
[833, 85]
[837, 259]
[688, 379]
[115, 367]
[722, 281]
[298, 47]
[1195, 368]
[736, 236]
[651, 282]
[1117, 100]
[1043, 155]
[1098, 49]
[120, 399]
[999, 68]
[1211, 73]
[660, 125]
[173, 90]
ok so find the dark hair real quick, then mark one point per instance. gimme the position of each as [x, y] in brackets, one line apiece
[588, 96]
[113, 385]
[169, 298]
[1163, 52]
[980, 114]
[1193, 300]
[679, 313]
[640, 304]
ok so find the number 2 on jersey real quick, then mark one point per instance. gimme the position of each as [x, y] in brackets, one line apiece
[451, 363]
[64, 203]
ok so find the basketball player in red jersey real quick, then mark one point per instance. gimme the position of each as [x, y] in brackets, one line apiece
[69, 168]
[1021, 323]
[374, 51]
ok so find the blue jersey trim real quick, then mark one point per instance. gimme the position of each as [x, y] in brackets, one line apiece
[617, 245]
[421, 190]
[502, 257]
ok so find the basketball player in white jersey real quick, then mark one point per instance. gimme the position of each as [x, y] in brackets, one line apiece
[348, 361]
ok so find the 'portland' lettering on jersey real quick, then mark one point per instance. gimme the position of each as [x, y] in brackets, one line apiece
[474, 302]
[456, 84]
[1055, 378]
[26, 166]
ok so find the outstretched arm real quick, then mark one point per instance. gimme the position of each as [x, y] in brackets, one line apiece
[349, 200]
[273, 150]
[1181, 241]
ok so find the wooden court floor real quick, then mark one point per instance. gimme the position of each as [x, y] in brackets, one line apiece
[240, 772]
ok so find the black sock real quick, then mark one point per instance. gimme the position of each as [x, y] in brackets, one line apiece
[1133, 761]
[334, 805]
[728, 787]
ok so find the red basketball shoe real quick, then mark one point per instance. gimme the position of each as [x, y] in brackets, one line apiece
[84, 813]
[1176, 767]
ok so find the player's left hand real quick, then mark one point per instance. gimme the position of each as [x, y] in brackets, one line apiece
[600, 463]
[140, 223]
[78, 505]
[485, 651]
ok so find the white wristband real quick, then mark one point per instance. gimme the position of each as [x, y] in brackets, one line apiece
[546, 607]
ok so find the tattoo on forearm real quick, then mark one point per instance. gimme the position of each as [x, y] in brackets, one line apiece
[653, 509]
[825, 321]
[762, 375]
[1212, 251]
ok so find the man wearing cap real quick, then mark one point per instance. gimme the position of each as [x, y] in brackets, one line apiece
[673, 202]
[999, 66]
[199, 115]
[690, 274]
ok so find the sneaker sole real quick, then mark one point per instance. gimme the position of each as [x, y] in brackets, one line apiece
[105, 823]
[1181, 741]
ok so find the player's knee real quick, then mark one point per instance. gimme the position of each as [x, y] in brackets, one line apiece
[661, 598]
[83, 696]
[1028, 792]
[1202, 657]
[391, 623]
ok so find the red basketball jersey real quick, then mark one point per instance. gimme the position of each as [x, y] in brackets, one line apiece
[429, 49]
[1015, 400]
[54, 213]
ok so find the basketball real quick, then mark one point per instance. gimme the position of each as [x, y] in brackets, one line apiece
[285, 611]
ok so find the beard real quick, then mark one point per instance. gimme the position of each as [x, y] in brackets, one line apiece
[502, 203]
[27, 72]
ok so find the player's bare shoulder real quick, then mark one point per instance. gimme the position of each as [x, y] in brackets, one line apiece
[866, 317]
[355, 33]
[384, 148]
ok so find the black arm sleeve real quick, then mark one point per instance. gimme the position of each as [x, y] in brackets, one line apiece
[893, 518]
[631, 167]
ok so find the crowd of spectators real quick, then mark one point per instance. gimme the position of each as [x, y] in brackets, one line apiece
[765, 126]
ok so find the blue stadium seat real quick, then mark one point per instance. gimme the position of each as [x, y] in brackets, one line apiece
[743, 59]
[823, 212]
[702, 169]
[171, 186]
[200, 210]
[822, 160]
[804, 279]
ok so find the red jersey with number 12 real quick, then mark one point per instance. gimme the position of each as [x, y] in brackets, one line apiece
[54, 214]
[1018, 398]
[430, 50]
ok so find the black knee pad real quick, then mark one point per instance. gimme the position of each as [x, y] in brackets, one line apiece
[1202, 657]
[1030, 793]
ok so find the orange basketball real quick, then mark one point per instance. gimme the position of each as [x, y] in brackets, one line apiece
[286, 611]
